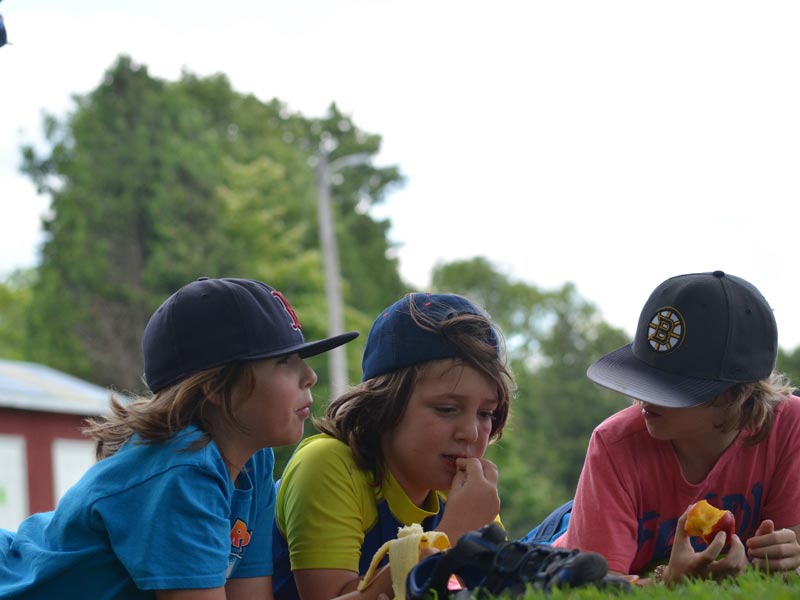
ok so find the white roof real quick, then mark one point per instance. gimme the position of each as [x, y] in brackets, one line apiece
[30, 386]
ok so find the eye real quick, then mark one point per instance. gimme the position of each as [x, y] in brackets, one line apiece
[444, 409]
[487, 414]
[284, 360]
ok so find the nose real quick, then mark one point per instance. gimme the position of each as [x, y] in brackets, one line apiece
[468, 429]
[309, 377]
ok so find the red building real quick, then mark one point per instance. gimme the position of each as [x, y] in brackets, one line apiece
[42, 449]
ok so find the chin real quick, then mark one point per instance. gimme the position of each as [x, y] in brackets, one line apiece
[286, 440]
[656, 434]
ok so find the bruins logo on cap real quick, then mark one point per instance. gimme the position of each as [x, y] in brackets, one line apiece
[666, 330]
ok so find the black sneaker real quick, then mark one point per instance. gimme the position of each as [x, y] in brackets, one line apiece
[487, 565]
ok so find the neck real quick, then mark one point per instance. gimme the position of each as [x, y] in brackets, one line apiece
[698, 456]
[230, 447]
[234, 468]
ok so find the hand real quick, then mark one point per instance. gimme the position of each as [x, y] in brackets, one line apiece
[472, 500]
[684, 561]
[772, 550]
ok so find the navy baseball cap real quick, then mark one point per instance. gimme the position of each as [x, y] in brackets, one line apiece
[211, 322]
[397, 341]
[698, 335]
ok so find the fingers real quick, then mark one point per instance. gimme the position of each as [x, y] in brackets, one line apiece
[682, 540]
[737, 556]
[680, 528]
[490, 471]
[735, 562]
[774, 551]
[427, 551]
[717, 544]
[476, 469]
[773, 544]
[767, 526]
[766, 536]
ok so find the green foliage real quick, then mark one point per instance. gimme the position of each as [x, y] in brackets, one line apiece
[789, 364]
[15, 298]
[552, 337]
[156, 183]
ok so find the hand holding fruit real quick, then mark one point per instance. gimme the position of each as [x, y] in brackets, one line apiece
[706, 521]
[684, 561]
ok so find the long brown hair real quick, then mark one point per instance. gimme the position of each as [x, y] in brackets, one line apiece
[751, 406]
[158, 417]
[361, 416]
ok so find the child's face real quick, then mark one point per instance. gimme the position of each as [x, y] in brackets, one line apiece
[279, 403]
[679, 424]
[448, 416]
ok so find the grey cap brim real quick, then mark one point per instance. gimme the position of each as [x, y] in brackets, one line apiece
[622, 372]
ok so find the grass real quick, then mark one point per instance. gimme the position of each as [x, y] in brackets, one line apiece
[753, 585]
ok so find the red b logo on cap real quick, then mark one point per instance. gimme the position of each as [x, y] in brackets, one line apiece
[288, 308]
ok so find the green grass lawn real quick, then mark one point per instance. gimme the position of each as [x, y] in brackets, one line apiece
[753, 585]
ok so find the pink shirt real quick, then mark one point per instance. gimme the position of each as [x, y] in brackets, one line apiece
[632, 490]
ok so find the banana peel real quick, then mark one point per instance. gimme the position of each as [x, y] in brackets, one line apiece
[403, 555]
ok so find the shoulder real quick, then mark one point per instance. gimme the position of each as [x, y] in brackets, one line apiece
[320, 462]
[622, 427]
[323, 478]
[138, 463]
[787, 414]
[323, 448]
[789, 406]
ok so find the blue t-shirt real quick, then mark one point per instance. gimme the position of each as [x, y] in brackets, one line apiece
[150, 517]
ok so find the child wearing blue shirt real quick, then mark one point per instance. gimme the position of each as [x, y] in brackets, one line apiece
[181, 503]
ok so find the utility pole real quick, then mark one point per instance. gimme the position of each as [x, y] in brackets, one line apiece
[337, 358]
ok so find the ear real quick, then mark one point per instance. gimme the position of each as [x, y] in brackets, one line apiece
[211, 393]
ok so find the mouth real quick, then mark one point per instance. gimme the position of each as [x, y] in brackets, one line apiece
[450, 459]
[648, 412]
[304, 411]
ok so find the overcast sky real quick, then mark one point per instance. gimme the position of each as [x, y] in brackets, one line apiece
[610, 144]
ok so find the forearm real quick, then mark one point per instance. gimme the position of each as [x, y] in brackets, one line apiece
[324, 584]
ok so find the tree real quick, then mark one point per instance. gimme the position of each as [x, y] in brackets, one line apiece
[789, 364]
[551, 337]
[15, 298]
[156, 183]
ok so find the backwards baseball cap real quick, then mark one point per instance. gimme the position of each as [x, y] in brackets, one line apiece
[698, 335]
[397, 341]
[212, 322]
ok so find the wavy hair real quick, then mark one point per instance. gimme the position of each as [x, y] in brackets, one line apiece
[158, 417]
[751, 406]
[361, 416]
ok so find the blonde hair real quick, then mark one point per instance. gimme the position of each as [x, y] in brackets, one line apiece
[158, 417]
[751, 406]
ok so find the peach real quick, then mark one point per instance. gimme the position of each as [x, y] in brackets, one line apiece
[705, 520]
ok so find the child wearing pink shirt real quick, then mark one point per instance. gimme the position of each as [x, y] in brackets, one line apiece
[711, 420]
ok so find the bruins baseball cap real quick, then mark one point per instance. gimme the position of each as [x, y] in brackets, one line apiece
[697, 335]
[212, 322]
[397, 341]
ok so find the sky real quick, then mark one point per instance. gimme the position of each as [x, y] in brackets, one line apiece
[608, 144]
